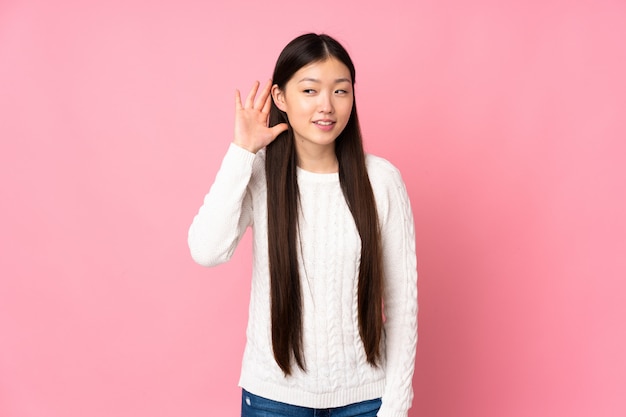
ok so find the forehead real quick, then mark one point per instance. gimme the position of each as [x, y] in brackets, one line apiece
[328, 70]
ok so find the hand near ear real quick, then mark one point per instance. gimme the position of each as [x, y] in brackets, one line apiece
[251, 118]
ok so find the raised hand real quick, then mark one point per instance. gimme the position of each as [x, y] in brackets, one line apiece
[251, 130]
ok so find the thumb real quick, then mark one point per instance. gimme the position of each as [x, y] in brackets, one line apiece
[278, 129]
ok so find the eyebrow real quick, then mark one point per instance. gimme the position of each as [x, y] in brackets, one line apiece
[337, 81]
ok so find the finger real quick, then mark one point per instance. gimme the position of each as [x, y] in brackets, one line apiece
[238, 105]
[278, 129]
[267, 105]
[265, 93]
[252, 94]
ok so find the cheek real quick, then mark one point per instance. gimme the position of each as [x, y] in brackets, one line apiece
[297, 107]
[346, 107]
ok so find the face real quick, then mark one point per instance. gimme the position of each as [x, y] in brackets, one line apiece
[318, 101]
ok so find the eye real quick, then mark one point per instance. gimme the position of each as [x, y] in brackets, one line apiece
[341, 92]
[308, 91]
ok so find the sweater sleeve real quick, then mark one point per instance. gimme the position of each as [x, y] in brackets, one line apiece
[400, 300]
[226, 212]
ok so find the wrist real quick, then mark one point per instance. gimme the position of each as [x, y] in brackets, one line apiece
[246, 146]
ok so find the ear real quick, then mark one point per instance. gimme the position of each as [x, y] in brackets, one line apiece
[279, 97]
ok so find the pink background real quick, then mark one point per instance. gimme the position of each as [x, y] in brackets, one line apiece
[507, 119]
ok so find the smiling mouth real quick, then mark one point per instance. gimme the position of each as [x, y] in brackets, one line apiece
[324, 123]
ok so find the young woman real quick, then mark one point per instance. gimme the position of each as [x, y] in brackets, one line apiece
[332, 324]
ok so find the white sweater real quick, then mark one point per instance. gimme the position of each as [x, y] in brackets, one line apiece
[337, 370]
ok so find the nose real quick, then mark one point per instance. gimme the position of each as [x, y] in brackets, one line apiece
[326, 104]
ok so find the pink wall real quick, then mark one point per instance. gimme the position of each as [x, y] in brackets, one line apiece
[508, 120]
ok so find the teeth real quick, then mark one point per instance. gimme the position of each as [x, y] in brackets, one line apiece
[324, 123]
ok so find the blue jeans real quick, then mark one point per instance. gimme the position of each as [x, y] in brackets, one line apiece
[255, 406]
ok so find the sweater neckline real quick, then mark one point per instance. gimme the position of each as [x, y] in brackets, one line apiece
[316, 177]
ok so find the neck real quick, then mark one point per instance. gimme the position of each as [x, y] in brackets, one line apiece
[319, 159]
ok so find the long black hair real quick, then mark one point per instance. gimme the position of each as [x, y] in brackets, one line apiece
[282, 203]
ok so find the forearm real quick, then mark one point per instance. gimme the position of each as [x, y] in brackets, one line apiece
[226, 211]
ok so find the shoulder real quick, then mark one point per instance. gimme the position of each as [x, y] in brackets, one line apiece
[382, 173]
[389, 189]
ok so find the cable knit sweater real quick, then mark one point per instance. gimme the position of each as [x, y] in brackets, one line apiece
[337, 372]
